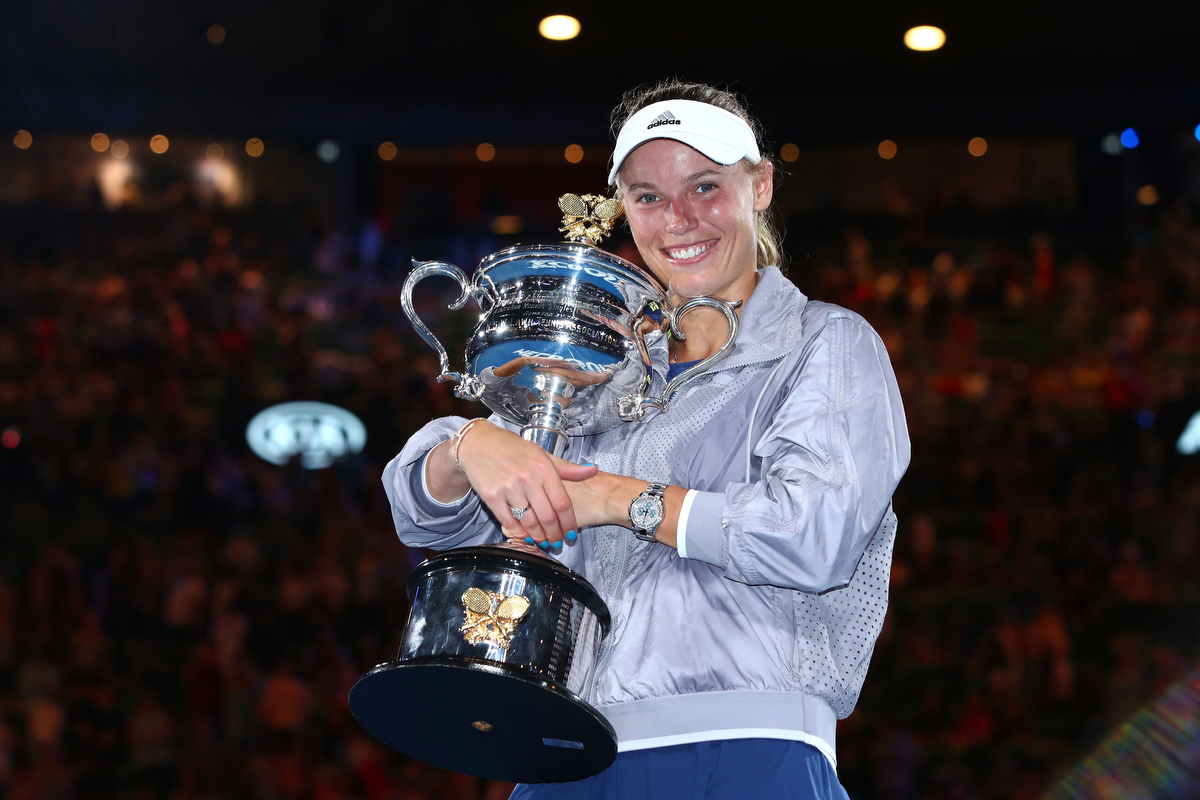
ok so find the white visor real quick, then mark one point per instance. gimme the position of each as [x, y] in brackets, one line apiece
[718, 134]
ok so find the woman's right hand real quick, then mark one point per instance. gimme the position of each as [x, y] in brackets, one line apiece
[506, 472]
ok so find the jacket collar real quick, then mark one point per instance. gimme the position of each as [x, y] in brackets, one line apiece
[770, 321]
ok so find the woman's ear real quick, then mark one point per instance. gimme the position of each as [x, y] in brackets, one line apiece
[764, 185]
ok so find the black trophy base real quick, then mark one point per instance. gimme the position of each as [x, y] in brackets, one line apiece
[483, 719]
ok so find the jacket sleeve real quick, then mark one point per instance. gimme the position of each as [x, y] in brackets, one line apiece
[420, 520]
[832, 455]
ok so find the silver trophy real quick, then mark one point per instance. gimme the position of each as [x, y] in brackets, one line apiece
[565, 346]
[563, 343]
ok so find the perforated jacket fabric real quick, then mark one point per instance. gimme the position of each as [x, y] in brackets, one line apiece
[765, 629]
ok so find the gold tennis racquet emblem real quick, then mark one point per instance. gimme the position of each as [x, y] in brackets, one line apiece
[491, 618]
[589, 217]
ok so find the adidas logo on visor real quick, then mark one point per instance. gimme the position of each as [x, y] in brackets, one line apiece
[665, 118]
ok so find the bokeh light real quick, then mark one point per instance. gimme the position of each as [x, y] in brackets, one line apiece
[1129, 138]
[559, 27]
[888, 149]
[1188, 443]
[99, 142]
[387, 151]
[254, 147]
[23, 139]
[10, 438]
[1145, 419]
[216, 33]
[214, 152]
[328, 151]
[319, 434]
[1196, 133]
[507, 224]
[485, 152]
[977, 146]
[573, 153]
[1147, 195]
[789, 152]
[1111, 144]
[924, 38]
[159, 144]
[119, 148]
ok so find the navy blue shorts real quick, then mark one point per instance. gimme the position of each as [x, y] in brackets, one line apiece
[732, 769]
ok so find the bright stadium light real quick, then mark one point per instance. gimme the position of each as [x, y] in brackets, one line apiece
[924, 38]
[559, 27]
[1189, 440]
[318, 433]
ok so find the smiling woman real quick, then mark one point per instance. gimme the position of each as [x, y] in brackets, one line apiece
[742, 540]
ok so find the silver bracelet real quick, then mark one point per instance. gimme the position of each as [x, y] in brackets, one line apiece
[458, 437]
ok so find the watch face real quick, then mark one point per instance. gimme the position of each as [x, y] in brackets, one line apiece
[646, 512]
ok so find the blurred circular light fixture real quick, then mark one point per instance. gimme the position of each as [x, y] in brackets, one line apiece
[888, 149]
[1189, 441]
[559, 27]
[99, 142]
[387, 151]
[789, 152]
[507, 224]
[1147, 195]
[924, 38]
[10, 439]
[254, 147]
[216, 33]
[1111, 144]
[119, 148]
[1196, 133]
[23, 139]
[316, 433]
[159, 144]
[485, 152]
[573, 153]
[328, 151]
[214, 152]
[977, 146]
[1129, 138]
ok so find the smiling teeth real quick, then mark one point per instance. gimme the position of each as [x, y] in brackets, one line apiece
[688, 252]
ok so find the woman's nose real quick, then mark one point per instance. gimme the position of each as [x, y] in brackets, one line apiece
[680, 218]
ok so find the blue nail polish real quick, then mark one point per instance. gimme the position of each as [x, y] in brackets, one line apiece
[529, 540]
[544, 545]
[572, 536]
[588, 464]
[557, 545]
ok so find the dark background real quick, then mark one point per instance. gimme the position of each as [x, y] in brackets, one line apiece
[179, 619]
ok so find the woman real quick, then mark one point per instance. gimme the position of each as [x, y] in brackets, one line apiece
[747, 598]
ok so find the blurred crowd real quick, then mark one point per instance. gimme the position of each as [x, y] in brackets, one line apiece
[181, 620]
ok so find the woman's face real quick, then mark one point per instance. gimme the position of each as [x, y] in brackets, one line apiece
[694, 220]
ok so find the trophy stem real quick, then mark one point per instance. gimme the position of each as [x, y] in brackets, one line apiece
[547, 428]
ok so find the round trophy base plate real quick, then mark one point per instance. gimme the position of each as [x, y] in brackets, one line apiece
[483, 719]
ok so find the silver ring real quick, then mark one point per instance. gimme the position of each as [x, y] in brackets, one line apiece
[518, 512]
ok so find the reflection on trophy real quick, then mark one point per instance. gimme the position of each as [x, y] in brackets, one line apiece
[564, 347]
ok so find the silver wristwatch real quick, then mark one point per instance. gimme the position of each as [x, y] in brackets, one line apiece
[646, 512]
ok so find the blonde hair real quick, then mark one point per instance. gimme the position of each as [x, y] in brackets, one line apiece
[769, 249]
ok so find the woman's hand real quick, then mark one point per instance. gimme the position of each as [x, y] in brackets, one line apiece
[508, 472]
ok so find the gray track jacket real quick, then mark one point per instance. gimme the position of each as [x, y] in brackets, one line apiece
[762, 624]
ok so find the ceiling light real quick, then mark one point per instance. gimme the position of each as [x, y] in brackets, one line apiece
[559, 27]
[924, 38]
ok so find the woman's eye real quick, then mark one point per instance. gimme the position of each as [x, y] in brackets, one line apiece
[647, 198]
[705, 187]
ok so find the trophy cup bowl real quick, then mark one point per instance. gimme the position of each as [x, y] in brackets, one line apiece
[484, 681]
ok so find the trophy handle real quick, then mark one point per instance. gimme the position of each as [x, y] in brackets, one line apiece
[634, 406]
[469, 387]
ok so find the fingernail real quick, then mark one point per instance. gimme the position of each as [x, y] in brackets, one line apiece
[557, 545]
[529, 539]
[572, 536]
[588, 464]
[544, 545]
